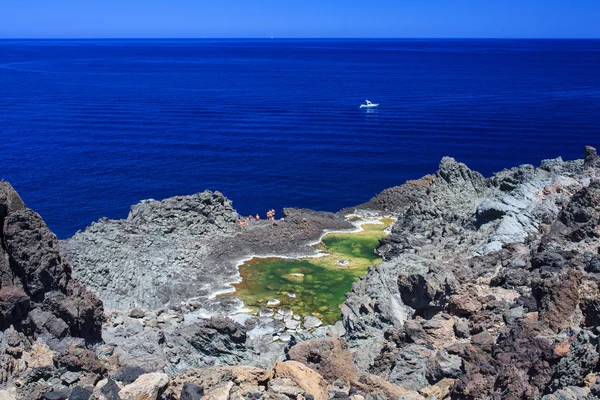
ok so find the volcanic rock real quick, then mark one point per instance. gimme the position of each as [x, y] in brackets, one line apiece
[191, 392]
[307, 379]
[310, 322]
[146, 387]
[328, 356]
[488, 288]
[34, 277]
[591, 158]
[184, 248]
[509, 261]
[40, 304]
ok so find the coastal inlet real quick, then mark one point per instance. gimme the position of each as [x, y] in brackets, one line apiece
[313, 285]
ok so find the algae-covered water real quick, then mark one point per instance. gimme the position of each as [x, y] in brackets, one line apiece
[313, 286]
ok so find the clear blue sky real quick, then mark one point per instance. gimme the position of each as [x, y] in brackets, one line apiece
[299, 18]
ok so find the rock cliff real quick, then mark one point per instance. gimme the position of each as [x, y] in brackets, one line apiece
[488, 282]
[489, 289]
[41, 305]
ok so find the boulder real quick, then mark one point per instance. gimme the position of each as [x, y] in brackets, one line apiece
[461, 329]
[220, 392]
[213, 377]
[109, 389]
[580, 360]
[591, 158]
[440, 390]
[376, 384]
[425, 291]
[464, 304]
[491, 210]
[286, 387]
[330, 357]
[191, 391]
[311, 322]
[80, 393]
[444, 365]
[128, 374]
[146, 387]
[215, 337]
[77, 359]
[307, 379]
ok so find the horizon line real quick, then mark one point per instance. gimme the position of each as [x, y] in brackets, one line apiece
[300, 38]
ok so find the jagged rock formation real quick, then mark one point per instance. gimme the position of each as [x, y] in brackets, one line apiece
[38, 297]
[183, 248]
[489, 289]
[490, 283]
[156, 254]
[285, 380]
[174, 342]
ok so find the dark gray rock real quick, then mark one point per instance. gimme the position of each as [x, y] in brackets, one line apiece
[578, 221]
[191, 391]
[136, 313]
[424, 292]
[215, 336]
[444, 365]
[511, 316]
[55, 395]
[461, 329]
[509, 179]
[37, 294]
[489, 210]
[110, 390]
[80, 393]
[128, 374]
[410, 368]
[594, 265]
[70, 377]
[46, 324]
[591, 158]
[581, 359]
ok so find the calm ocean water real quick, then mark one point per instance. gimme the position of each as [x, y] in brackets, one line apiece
[88, 128]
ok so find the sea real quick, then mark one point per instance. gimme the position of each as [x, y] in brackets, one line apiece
[90, 127]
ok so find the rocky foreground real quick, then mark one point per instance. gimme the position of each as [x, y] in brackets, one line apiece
[489, 289]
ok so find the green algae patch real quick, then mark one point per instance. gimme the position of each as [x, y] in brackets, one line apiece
[294, 277]
[313, 286]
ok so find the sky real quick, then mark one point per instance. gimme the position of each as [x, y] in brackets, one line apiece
[300, 18]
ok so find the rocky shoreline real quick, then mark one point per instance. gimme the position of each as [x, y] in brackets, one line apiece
[185, 247]
[488, 289]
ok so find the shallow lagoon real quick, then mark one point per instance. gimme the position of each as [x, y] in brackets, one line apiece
[313, 286]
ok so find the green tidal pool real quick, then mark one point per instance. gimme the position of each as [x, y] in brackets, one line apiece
[313, 286]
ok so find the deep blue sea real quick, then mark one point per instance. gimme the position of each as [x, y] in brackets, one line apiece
[90, 127]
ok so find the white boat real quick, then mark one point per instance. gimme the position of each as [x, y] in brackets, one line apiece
[369, 104]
